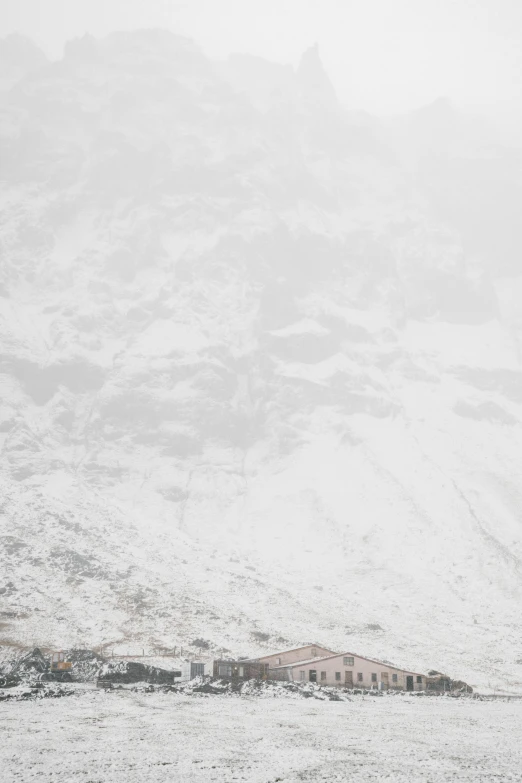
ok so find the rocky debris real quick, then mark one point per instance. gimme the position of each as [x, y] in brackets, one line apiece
[85, 664]
[30, 665]
[128, 672]
[287, 690]
[437, 682]
[9, 680]
[293, 690]
[33, 666]
[208, 686]
[36, 691]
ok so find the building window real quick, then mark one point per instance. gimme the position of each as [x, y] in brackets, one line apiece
[394, 678]
[337, 675]
[278, 661]
[374, 677]
[359, 676]
[225, 670]
[241, 671]
[313, 652]
[323, 675]
[302, 675]
[419, 678]
[348, 661]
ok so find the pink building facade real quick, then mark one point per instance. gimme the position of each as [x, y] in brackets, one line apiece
[287, 657]
[348, 670]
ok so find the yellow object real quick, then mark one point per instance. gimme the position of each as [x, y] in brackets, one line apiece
[58, 662]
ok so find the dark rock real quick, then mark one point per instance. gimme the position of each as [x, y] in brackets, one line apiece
[131, 671]
[201, 643]
[9, 680]
[31, 664]
[85, 664]
[262, 637]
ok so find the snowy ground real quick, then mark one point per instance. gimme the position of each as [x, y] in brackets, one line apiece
[130, 737]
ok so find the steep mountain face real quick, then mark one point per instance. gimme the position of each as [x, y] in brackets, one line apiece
[260, 383]
[19, 57]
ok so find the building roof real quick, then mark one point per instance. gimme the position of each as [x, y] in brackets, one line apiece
[308, 660]
[342, 655]
[294, 649]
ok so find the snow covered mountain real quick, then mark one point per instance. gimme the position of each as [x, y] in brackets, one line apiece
[260, 371]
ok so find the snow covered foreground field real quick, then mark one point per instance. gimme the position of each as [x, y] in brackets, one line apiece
[126, 737]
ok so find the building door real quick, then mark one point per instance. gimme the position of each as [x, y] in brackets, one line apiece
[409, 683]
[197, 670]
[348, 679]
[312, 675]
[384, 680]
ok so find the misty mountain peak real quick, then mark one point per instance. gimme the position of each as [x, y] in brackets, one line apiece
[151, 39]
[84, 49]
[441, 107]
[315, 84]
[18, 51]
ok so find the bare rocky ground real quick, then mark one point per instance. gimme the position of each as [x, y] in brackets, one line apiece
[128, 735]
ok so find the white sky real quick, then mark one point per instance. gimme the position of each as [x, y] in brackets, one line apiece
[382, 55]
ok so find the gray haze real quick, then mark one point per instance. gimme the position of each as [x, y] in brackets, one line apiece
[383, 55]
[260, 352]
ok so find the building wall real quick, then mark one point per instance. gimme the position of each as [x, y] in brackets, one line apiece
[290, 656]
[236, 670]
[361, 666]
[187, 670]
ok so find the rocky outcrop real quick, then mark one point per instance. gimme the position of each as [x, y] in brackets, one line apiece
[247, 353]
[316, 89]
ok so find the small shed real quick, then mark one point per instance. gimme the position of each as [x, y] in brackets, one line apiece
[236, 670]
[192, 669]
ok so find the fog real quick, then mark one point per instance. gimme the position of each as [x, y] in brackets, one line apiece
[382, 55]
[260, 389]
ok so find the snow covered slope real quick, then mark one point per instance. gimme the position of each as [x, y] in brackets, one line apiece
[258, 384]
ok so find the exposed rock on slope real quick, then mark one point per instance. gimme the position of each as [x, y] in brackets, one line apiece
[315, 86]
[253, 379]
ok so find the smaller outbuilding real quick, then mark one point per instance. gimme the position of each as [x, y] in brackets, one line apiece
[191, 669]
[237, 670]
